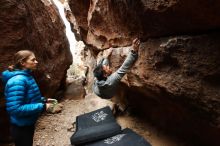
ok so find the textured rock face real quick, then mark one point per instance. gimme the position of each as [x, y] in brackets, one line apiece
[184, 67]
[175, 84]
[105, 23]
[75, 89]
[175, 81]
[35, 25]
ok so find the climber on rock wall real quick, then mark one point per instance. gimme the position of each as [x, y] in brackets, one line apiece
[106, 83]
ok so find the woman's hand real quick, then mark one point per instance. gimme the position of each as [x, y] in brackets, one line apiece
[49, 106]
[54, 107]
[51, 100]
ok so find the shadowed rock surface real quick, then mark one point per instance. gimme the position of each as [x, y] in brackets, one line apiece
[175, 82]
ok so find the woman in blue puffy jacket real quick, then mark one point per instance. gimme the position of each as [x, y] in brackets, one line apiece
[24, 102]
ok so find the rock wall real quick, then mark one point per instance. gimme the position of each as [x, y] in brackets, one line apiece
[34, 25]
[175, 82]
[105, 23]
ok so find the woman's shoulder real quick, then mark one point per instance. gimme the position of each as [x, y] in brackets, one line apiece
[17, 79]
[19, 75]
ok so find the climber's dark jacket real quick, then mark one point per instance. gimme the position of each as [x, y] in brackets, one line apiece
[107, 88]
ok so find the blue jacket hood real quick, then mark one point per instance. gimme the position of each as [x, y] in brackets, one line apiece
[6, 75]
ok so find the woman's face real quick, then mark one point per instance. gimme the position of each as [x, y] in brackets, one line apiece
[30, 63]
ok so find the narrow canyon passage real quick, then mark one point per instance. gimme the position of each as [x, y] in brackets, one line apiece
[56, 130]
[172, 90]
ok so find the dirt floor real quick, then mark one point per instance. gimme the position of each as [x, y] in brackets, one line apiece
[56, 129]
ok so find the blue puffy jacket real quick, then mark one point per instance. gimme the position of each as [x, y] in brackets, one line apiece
[24, 102]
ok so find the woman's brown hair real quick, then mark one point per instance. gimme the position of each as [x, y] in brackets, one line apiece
[20, 56]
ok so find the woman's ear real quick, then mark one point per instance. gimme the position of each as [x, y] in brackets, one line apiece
[22, 63]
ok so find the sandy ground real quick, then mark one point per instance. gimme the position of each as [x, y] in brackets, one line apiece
[56, 129]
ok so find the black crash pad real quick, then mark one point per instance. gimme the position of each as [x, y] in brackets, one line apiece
[93, 126]
[126, 138]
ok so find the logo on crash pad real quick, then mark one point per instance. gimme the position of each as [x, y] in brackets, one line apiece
[114, 139]
[99, 116]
